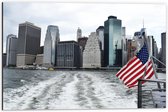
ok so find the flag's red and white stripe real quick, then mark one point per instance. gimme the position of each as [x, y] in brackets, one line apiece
[134, 70]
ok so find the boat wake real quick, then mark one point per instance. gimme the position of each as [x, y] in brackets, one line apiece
[70, 90]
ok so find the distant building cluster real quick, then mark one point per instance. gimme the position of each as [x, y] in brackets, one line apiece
[108, 46]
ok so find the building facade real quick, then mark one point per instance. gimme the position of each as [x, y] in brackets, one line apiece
[92, 52]
[50, 45]
[11, 50]
[68, 54]
[112, 42]
[28, 43]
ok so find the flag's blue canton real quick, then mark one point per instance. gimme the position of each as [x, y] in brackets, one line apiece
[143, 54]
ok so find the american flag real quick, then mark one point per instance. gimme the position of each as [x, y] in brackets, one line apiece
[140, 66]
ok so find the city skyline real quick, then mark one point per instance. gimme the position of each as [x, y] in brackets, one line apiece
[69, 16]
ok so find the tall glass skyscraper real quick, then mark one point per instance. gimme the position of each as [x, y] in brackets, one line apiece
[50, 44]
[112, 42]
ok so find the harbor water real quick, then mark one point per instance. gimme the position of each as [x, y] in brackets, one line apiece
[42, 89]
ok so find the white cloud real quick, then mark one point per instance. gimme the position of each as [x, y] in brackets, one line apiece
[70, 16]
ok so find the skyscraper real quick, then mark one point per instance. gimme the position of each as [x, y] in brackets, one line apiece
[79, 33]
[11, 50]
[139, 37]
[50, 45]
[150, 44]
[100, 34]
[112, 42]
[124, 46]
[152, 48]
[82, 42]
[28, 43]
[155, 50]
[92, 52]
[163, 45]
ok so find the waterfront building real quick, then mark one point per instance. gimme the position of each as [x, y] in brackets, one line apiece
[79, 33]
[28, 43]
[11, 50]
[50, 46]
[68, 54]
[163, 46]
[112, 42]
[92, 52]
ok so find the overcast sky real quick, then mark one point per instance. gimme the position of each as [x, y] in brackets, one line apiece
[88, 16]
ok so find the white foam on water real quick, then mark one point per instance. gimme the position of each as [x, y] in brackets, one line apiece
[67, 98]
[13, 101]
[62, 92]
[112, 96]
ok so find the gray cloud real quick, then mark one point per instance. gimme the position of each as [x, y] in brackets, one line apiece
[70, 16]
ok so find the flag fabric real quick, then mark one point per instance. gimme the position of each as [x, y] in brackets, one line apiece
[140, 66]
